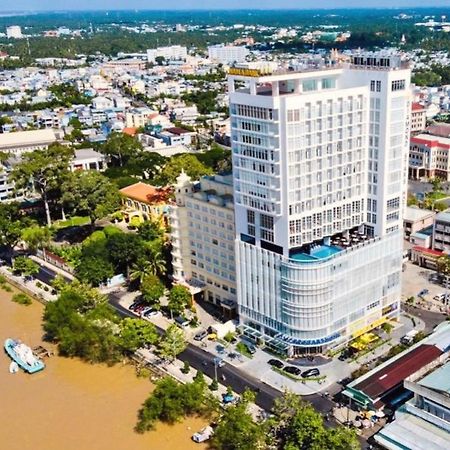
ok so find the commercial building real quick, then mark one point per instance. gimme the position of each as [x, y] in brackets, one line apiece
[320, 171]
[416, 219]
[428, 157]
[202, 234]
[418, 118]
[384, 385]
[227, 54]
[14, 32]
[424, 421]
[26, 141]
[441, 232]
[172, 53]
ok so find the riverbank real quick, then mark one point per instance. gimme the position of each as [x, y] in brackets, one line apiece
[72, 405]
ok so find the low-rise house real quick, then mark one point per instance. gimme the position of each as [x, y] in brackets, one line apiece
[416, 219]
[26, 141]
[146, 202]
[88, 159]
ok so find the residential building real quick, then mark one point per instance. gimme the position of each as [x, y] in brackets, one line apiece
[202, 234]
[14, 32]
[441, 232]
[146, 202]
[428, 157]
[184, 113]
[227, 54]
[416, 219]
[172, 53]
[26, 141]
[418, 118]
[423, 422]
[320, 172]
[88, 159]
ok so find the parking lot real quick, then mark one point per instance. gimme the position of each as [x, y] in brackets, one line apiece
[415, 279]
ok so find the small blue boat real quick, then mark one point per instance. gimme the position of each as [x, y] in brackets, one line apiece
[23, 356]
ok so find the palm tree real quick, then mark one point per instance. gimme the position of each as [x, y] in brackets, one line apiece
[157, 263]
[140, 270]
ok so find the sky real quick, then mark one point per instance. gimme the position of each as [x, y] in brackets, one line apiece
[52, 5]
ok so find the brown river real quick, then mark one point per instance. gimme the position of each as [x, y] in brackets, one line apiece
[72, 405]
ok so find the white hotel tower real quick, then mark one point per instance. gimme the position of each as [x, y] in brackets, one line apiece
[320, 172]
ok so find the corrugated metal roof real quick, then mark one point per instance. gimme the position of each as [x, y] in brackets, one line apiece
[439, 379]
[393, 374]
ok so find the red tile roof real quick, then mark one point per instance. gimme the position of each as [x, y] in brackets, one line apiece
[427, 250]
[131, 131]
[417, 106]
[380, 383]
[145, 193]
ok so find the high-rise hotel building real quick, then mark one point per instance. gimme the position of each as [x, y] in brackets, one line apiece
[320, 173]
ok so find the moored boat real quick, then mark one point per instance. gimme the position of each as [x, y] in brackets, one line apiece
[23, 356]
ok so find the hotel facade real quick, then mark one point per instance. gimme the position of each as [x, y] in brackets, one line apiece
[320, 164]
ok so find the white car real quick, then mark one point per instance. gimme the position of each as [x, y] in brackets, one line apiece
[203, 435]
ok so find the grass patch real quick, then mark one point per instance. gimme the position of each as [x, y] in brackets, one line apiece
[242, 349]
[75, 221]
[21, 299]
[437, 195]
[6, 287]
[287, 374]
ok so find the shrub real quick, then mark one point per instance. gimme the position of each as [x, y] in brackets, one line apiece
[22, 299]
[186, 367]
[214, 385]
[46, 288]
[38, 284]
[7, 288]
[2, 279]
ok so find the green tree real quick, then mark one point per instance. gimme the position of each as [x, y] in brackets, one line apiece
[83, 324]
[124, 249]
[152, 290]
[179, 299]
[172, 343]
[37, 237]
[298, 426]
[121, 147]
[137, 333]
[91, 193]
[12, 222]
[187, 162]
[237, 430]
[151, 230]
[25, 266]
[94, 270]
[46, 169]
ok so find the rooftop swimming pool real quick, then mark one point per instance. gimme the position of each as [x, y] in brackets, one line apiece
[318, 253]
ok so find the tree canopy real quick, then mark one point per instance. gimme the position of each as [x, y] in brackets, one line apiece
[47, 170]
[173, 343]
[90, 193]
[121, 147]
[185, 161]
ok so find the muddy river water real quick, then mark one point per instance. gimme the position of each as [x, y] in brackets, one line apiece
[72, 405]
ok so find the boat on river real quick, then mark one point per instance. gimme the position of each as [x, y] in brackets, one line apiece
[23, 356]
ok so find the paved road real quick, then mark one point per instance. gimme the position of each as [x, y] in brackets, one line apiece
[430, 318]
[234, 377]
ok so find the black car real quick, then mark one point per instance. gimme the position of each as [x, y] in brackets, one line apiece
[292, 370]
[134, 305]
[275, 363]
[311, 373]
[200, 335]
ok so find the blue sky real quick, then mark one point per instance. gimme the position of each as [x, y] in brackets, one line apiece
[35, 5]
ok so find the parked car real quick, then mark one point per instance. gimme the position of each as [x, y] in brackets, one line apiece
[200, 335]
[292, 370]
[203, 435]
[145, 310]
[311, 373]
[219, 362]
[220, 349]
[134, 305]
[250, 347]
[276, 363]
[182, 321]
[151, 313]
[423, 292]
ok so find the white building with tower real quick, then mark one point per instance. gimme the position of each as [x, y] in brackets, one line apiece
[227, 54]
[320, 173]
[171, 53]
[202, 236]
[14, 32]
